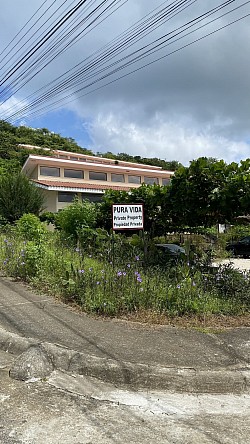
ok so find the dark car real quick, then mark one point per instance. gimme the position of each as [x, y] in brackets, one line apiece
[168, 254]
[171, 249]
[240, 248]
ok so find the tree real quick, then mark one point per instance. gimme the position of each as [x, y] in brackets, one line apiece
[155, 203]
[18, 196]
[195, 193]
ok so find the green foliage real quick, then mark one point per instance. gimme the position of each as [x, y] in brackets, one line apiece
[18, 196]
[155, 202]
[29, 227]
[111, 288]
[171, 165]
[48, 216]
[77, 216]
[237, 232]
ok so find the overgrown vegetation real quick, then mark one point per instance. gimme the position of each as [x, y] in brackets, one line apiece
[112, 274]
[108, 274]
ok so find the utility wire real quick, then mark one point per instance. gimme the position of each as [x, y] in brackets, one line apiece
[147, 27]
[42, 41]
[59, 103]
[20, 31]
[48, 51]
[128, 60]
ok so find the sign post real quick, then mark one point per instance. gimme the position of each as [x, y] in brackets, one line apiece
[127, 216]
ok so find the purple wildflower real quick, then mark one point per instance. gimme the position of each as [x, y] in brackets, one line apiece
[81, 271]
[119, 273]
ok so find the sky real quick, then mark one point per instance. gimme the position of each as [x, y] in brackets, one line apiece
[193, 102]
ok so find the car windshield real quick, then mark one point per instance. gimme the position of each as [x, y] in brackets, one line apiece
[245, 240]
[171, 247]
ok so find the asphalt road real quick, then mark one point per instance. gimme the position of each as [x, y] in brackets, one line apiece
[78, 410]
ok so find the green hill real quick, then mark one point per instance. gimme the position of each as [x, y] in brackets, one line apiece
[12, 158]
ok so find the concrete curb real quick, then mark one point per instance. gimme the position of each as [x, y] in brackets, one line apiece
[192, 380]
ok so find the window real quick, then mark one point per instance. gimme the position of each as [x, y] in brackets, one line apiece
[92, 197]
[73, 158]
[76, 174]
[63, 156]
[49, 171]
[117, 177]
[165, 181]
[134, 179]
[97, 175]
[151, 180]
[66, 196]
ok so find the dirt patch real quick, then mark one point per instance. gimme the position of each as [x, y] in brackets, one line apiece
[213, 322]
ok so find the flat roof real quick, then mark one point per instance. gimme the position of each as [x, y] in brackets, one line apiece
[119, 167]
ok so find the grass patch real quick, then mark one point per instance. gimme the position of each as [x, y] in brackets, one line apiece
[177, 294]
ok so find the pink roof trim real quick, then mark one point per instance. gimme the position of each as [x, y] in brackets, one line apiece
[91, 186]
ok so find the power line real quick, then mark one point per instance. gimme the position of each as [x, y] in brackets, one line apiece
[52, 52]
[20, 31]
[92, 71]
[134, 33]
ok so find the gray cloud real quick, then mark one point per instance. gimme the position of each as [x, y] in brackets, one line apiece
[194, 102]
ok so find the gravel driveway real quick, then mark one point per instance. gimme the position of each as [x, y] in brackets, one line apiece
[238, 263]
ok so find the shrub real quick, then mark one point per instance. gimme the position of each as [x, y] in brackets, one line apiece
[76, 216]
[29, 227]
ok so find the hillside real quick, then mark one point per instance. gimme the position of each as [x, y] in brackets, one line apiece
[12, 158]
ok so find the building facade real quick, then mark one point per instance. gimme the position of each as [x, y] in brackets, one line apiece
[64, 175]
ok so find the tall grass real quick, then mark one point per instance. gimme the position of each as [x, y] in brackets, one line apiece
[98, 284]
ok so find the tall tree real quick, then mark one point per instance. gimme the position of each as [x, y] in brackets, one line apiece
[18, 196]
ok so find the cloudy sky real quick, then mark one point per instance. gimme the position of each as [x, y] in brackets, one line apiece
[192, 102]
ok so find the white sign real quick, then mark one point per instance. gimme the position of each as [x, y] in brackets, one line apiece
[127, 217]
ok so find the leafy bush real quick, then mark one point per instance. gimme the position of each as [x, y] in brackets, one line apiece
[76, 216]
[48, 216]
[30, 227]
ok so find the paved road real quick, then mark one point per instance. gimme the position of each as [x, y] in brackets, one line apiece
[125, 352]
[80, 410]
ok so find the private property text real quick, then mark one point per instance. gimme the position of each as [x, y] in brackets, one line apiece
[128, 217]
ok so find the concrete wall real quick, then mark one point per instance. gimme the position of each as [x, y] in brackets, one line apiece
[50, 201]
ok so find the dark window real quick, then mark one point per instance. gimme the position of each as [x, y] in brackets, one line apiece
[50, 171]
[165, 181]
[134, 179]
[76, 174]
[117, 177]
[92, 197]
[63, 157]
[66, 196]
[73, 158]
[151, 180]
[97, 175]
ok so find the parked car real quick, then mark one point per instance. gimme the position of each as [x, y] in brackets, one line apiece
[168, 254]
[171, 249]
[240, 248]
